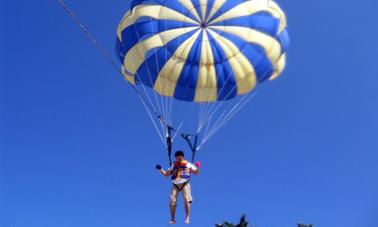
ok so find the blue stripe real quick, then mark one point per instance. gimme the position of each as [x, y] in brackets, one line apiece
[177, 6]
[187, 83]
[226, 7]
[210, 5]
[172, 4]
[255, 54]
[225, 76]
[156, 59]
[197, 6]
[119, 50]
[135, 3]
[284, 39]
[260, 22]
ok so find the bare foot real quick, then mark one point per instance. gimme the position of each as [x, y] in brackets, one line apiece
[172, 222]
[187, 221]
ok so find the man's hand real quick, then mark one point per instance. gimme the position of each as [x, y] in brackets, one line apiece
[196, 171]
[158, 167]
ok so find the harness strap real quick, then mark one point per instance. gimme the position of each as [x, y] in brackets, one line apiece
[182, 187]
[169, 144]
[192, 143]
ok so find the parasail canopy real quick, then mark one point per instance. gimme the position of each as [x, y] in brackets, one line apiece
[202, 50]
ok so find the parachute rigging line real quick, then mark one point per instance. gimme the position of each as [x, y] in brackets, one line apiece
[148, 106]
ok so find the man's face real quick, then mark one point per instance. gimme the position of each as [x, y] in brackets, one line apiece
[179, 158]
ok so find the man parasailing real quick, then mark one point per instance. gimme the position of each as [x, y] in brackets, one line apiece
[180, 172]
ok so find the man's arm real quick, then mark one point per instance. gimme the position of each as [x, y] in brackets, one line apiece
[166, 173]
[163, 172]
[196, 171]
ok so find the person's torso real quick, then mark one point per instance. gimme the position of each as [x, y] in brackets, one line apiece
[180, 172]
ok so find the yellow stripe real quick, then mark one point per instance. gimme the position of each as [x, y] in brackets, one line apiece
[127, 76]
[136, 55]
[203, 4]
[250, 7]
[270, 45]
[188, 4]
[279, 67]
[206, 90]
[283, 20]
[155, 11]
[244, 72]
[167, 79]
[216, 6]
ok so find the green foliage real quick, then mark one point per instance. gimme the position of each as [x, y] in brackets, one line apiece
[243, 223]
[304, 225]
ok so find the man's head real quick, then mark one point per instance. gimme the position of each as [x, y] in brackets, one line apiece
[179, 155]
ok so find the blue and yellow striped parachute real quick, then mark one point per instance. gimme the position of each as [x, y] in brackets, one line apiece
[202, 51]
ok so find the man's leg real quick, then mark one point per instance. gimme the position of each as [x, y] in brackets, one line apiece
[187, 212]
[172, 204]
[173, 214]
[186, 192]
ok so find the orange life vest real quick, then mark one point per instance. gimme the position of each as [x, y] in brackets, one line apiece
[180, 170]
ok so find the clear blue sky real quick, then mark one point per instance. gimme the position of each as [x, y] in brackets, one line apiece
[78, 150]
